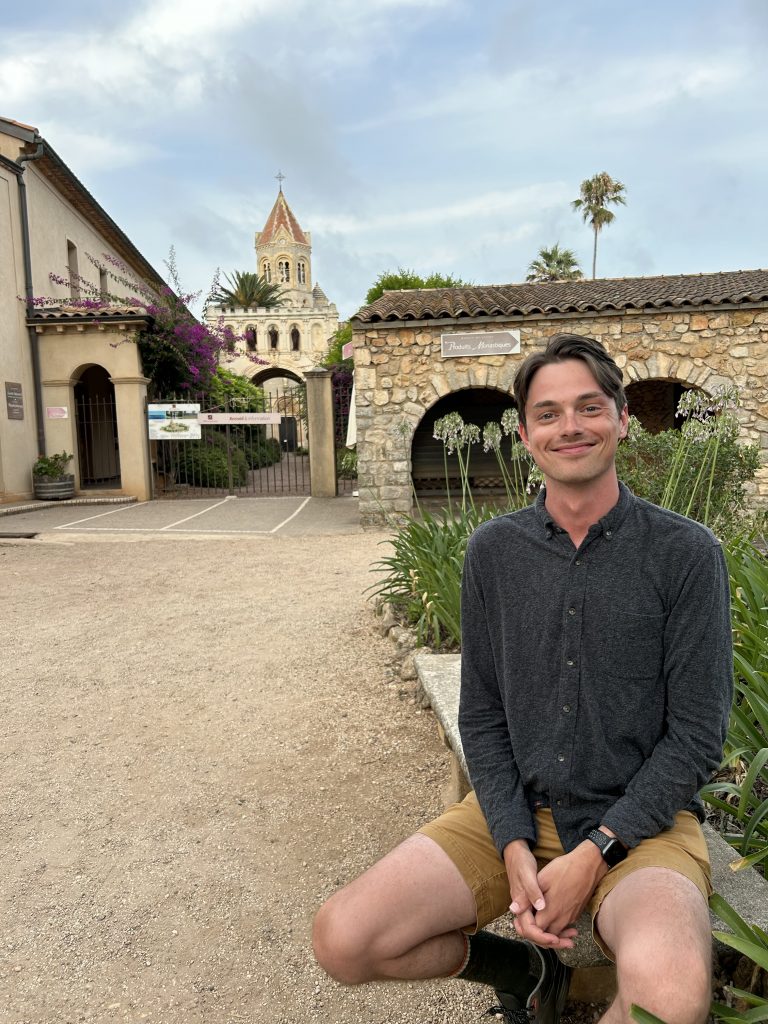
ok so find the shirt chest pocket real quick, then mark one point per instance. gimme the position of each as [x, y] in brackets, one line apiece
[629, 646]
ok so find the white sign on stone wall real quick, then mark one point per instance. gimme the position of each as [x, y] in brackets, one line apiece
[480, 343]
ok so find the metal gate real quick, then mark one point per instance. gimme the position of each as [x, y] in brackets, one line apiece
[234, 454]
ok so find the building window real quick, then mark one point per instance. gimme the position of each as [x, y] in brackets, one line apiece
[301, 272]
[284, 271]
[72, 271]
[250, 338]
[295, 340]
[266, 270]
[103, 283]
[273, 337]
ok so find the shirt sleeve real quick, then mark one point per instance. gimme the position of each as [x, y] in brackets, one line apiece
[698, 670]
[483, 723]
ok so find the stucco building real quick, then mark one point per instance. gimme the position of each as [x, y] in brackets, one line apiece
[293, 337]
[66, 382]
[668, 334]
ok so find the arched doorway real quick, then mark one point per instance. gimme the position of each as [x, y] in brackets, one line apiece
[284, 393]
[98, 449]
[474, 405]
[654, 403]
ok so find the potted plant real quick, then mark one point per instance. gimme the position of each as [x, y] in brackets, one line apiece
[50, 479]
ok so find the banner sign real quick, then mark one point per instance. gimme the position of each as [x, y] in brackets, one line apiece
[480, 343]
[174, 421]
[239, 417]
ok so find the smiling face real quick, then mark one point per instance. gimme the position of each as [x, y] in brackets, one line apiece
[572, 427]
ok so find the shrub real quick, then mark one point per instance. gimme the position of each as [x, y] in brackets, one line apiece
[260, 451]
[204, 463]
[346, 463]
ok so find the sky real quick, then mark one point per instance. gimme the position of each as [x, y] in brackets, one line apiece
[435, 135]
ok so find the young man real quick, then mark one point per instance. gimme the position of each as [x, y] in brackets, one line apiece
[595, 692]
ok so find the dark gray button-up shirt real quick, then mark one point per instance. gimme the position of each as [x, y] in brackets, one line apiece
[600, 677]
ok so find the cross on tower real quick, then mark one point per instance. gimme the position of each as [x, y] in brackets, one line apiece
[281, 178]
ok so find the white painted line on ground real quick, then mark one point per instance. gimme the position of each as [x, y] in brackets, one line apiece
[290, 517]
[177, 533]
[120, 508]
[194, 516]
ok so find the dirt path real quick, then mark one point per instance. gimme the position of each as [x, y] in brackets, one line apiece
[199, 740]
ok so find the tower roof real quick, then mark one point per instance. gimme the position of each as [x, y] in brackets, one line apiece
[282, 217]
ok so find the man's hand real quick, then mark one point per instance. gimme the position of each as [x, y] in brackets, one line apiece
[547, 903]
[528, 899]
[567, 883]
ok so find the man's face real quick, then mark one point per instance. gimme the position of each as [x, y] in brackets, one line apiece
[573, 427]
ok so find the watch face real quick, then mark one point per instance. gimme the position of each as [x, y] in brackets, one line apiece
[613, 852]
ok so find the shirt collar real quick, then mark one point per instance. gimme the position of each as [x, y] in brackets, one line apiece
[606, 526]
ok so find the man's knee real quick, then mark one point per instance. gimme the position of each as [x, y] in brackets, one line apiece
[340, 948]
[677, 986]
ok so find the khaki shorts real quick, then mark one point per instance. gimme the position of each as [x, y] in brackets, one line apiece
[461, 831]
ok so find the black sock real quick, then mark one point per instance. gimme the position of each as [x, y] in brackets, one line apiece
[494, 960]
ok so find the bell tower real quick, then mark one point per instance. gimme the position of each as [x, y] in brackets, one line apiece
[284, 253]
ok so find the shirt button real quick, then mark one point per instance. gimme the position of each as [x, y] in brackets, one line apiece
[577, 562]
[569, 663]
[566, 708]
[559, 803]
[561, 757]
[571, 611]
[609, 533]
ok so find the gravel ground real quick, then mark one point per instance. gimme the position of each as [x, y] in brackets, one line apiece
[200, 740]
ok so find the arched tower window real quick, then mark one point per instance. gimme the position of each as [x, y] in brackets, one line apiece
[266, 271]
[295, 340]
[301, 272]
[250, 338]
[273, 336]
[284, 271]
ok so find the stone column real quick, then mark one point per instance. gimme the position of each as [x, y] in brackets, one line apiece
[132, 432]
[322, 442]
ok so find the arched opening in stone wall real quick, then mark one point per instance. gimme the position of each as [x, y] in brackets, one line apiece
[474, 405]
[98, 449]
[654, 403]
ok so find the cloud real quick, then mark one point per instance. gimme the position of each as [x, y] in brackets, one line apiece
[487, 206]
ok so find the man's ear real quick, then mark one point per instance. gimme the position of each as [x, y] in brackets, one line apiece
[624, 422]
[523, 434]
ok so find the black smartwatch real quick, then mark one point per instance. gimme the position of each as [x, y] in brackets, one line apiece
[612, 851]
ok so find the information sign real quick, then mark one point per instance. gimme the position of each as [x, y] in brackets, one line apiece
[174, 421]
[14, 401]
[480, 343]
[239, 417]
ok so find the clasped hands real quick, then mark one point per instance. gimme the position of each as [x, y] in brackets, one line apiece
[547, 903]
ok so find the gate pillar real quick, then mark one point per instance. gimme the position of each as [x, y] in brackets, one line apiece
[322, 446]
[130, 404]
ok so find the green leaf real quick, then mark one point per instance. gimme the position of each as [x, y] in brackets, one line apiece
[644, 1016]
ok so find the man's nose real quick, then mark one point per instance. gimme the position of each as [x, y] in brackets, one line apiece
[569, 422]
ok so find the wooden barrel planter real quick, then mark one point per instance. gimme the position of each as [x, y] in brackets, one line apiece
[49, 488]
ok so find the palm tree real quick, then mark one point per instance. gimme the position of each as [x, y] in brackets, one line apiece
[596, 194]
[554, 264]
[248, 290]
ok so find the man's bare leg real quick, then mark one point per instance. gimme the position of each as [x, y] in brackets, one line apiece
[657, 924]
[399, 920]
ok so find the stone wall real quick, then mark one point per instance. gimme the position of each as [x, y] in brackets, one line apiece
[400, 374]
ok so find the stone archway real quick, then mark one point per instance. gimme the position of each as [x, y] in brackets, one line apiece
[98, 448]
[654, 403]
[478, 405]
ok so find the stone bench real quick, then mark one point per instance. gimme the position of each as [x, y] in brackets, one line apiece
[746, 891]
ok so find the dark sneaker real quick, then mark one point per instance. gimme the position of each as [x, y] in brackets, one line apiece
[549, 990]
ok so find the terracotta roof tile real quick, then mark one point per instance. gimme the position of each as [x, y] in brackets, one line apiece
[282, 216]
[514, 300]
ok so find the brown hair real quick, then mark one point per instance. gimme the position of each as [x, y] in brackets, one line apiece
[571, 346]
